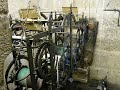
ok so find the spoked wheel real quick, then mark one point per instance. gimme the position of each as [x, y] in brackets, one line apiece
[42, 62]
[77, 49]
[10, 75]
[43, 66]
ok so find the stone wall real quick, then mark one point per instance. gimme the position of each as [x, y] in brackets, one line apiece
[107, 52]
[5, 38]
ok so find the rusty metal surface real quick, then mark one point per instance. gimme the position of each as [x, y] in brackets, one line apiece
[31, 65]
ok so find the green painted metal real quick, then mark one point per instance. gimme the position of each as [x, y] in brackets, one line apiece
[60, 50]
[22, 76]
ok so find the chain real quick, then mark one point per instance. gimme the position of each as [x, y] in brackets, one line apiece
[24, 25]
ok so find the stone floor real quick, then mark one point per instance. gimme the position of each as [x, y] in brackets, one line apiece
[74, 86]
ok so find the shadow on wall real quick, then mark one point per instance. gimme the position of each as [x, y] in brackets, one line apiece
[92, 36]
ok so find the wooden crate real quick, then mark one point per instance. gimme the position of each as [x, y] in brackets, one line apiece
[28, 13]
[31, 15]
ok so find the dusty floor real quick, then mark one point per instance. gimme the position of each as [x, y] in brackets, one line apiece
[74, 86]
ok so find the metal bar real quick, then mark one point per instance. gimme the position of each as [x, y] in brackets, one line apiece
[55, 16]
[40, 35]
[115, 11]
[57, 13]
[51, 49]
[74, 26]
[62, 32]
[18, 37]
[31, 65]
[43, 34]
[71, 41]
[54, 30]
[57, 21]
[119, 19]
[112, 10]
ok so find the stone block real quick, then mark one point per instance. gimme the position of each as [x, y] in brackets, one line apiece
[3, 6]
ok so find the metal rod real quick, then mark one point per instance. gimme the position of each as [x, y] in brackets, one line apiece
[51, 49]
[55, 15]
[117, 11]
[71, 40]
[119, 19]
[31, 65]
[19, 37]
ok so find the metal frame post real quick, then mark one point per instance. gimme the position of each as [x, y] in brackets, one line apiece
[71, 62]
[31, 65]
[51, 48]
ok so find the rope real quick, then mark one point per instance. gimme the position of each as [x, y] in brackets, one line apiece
[89, 9]
[24, 26]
